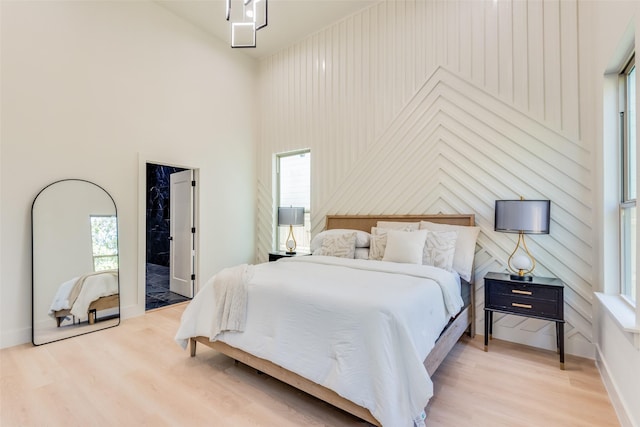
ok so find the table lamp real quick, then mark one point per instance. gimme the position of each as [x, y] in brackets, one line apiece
[292, 217]
[522, 217]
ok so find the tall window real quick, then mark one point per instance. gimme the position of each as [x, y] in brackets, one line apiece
[628, 221]
[293, 172]
[104, 241]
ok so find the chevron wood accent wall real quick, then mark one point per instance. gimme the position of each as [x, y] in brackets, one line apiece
[443, 106]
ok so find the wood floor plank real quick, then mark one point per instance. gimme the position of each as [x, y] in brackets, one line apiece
[135, 374]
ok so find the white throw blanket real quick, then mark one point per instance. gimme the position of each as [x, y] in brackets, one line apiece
[61, 298]
[230, 295]
[94, 286]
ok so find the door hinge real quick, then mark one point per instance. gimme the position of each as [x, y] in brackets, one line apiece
[193, 183]
[193, 230]
[193, 277]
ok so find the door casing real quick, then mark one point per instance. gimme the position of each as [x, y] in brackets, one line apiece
[138, 308]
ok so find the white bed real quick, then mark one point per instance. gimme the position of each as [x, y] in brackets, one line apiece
[353, 332]
[79, 295]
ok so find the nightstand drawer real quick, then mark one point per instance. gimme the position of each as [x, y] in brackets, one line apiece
[531, 291]
[528, 306]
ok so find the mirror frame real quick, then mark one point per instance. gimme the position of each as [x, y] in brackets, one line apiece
[33, 284]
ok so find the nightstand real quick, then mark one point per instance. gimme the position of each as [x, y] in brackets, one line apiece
[540, 298]
[274, 256]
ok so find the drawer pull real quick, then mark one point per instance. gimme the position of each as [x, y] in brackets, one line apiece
[518, 291]
[515, 304]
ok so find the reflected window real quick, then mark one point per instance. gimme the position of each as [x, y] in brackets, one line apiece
[104, 241]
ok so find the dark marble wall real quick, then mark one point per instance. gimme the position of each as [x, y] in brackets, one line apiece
[158, 185]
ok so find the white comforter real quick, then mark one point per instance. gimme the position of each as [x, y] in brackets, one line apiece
[361, 328]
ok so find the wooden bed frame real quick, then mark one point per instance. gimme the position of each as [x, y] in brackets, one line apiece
[464, 321]
[101, 303]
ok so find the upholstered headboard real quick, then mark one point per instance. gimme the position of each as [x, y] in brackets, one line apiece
[365, 222]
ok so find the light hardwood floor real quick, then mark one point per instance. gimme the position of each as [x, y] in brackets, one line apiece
[135, 375]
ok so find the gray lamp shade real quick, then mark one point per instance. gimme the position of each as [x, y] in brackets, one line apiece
[526, 216]
[291, 216]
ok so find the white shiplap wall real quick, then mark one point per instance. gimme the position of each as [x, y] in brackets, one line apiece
[417, 106]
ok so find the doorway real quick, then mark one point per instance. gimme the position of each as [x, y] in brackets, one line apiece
[166, 262]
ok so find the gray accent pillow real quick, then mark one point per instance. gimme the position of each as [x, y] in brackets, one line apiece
[440, 249]
[338, 245]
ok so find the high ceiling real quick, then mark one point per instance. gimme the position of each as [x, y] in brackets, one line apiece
[288, 20]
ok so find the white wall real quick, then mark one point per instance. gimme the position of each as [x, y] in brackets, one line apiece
[609, 29]
[619, 364]
[418, 106]
[89, 88]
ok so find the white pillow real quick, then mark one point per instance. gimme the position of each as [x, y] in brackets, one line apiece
[362, 238]
[338, 245]
[405, 246]
[440, 249]
[399, 225]
[378, 244]
[377, 231]
[465, 245]
[362, 253]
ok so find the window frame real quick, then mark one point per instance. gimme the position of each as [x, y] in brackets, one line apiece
[628, 197]
[298, 233]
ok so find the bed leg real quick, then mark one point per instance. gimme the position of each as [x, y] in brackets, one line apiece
[471, 331]
[472, 311]
[192, 346]
[92, 316]
[472, 324]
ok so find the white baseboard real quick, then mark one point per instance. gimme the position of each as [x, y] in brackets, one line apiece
[130, 311]
[614, 395]
[15, 337]
[23, 335]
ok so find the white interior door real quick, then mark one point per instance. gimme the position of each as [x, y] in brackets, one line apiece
[181, 260]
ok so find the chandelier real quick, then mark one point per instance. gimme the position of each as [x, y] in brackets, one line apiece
[246, 17]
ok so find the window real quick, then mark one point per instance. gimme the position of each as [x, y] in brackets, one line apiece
[104, 242]
[293, 179]
[628, 228]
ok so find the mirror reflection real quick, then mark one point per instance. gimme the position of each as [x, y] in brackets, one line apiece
[75, 261]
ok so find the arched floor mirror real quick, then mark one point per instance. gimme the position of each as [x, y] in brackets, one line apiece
[76, 288]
